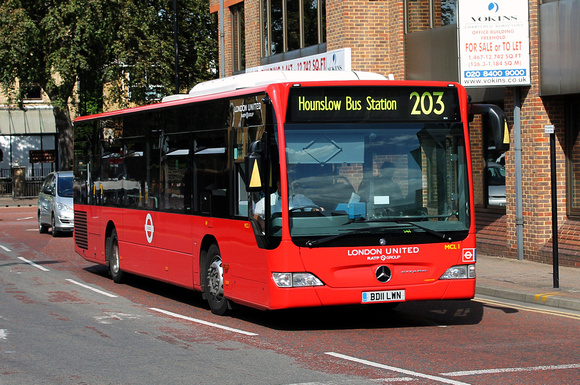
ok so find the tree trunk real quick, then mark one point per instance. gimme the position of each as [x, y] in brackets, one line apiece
[65, 139]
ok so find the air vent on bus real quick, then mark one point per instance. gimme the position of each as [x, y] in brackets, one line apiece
[81, 236]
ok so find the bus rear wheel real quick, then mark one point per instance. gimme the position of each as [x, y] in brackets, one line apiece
[114, 260]
[214, 282]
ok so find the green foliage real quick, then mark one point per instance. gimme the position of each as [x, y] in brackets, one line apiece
[144, 49]
[125, 44]
[19, 46]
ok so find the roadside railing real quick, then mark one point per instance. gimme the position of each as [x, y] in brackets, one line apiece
[29, 189]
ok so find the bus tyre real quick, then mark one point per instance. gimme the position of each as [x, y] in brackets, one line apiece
[114, 260]
[214, 282]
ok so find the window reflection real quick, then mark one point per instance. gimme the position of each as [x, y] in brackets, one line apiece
[292, 24]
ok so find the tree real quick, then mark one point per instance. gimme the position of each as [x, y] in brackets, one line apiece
[144, 49]
[125, 44]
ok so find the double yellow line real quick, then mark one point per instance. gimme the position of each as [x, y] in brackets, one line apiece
[544, 296]
[528, 308]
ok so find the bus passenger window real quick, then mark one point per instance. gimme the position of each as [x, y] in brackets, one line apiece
[176, 174]
[211, 162]
[242, 195]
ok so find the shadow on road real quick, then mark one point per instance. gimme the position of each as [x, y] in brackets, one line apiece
[377, 316]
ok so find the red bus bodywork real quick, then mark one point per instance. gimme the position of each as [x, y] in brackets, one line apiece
[169, 246]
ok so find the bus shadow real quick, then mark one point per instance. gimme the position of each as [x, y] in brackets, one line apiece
[148, 285]
[405, 315]
[376, 316]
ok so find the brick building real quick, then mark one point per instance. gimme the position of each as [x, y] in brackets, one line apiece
[418, 39]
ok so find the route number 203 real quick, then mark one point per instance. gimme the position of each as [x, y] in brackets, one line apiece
[427, 103]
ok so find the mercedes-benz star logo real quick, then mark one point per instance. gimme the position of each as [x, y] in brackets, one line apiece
[383, 274]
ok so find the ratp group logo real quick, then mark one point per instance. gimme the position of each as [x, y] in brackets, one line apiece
[493, 7]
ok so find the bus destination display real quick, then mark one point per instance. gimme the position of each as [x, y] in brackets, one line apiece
[350, 104]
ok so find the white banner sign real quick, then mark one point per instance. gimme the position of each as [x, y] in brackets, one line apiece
[494, 43]
[337, 60]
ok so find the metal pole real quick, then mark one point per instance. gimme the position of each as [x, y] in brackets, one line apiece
[222, 41]
[555, 261]
[406, 18]
[518, 173]
[431, 14]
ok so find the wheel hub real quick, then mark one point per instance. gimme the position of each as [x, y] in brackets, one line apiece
[215, 279]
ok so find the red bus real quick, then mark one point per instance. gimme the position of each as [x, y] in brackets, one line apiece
[285, 189]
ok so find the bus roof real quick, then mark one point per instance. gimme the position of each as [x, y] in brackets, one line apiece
[247, 80]
[256, 79]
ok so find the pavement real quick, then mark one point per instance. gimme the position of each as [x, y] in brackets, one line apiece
[527, 281]
[497, 277]
[17, 202]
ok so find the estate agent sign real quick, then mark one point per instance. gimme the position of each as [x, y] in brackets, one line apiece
[494, 43]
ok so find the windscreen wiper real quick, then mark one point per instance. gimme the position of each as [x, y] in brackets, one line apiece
[443, 236]
[317, 242]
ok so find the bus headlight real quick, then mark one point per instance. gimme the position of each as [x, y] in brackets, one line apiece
[459, 272]
[296, 280]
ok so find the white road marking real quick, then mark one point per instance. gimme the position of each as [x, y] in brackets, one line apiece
[106, 319]
[23, 219]
[398, 370]
[33, 264]
[356, 381]
[3, 334]
[5, 248]
[203, 322]
[510, 370]
[92, 288]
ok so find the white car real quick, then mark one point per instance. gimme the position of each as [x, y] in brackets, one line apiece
[55, 203]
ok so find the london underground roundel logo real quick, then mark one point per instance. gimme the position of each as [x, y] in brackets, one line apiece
[468, 255]
[149, 228]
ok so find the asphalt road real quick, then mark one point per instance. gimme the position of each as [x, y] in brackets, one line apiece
[63, 321]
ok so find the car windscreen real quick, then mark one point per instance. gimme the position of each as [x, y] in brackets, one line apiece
[65, 186]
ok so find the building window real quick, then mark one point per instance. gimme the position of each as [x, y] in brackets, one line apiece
[448, 12]
[288, 25]
[238, 38]
[31, 92]
[425, 14]
[573, 163]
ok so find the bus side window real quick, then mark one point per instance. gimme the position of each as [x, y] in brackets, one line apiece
[242, 195]
[210, 159]
[177, 174]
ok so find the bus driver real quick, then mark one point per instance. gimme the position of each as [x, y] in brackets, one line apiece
[295, 201]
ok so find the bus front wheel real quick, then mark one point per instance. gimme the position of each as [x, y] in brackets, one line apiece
[114, 260]
[214, 282]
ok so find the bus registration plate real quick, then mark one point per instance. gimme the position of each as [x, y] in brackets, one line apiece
[383, 296]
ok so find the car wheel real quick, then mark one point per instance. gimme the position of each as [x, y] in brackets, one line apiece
[55, 232]
[42, 229]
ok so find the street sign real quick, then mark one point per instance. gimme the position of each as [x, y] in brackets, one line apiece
[42, 156]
